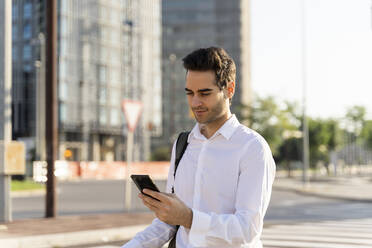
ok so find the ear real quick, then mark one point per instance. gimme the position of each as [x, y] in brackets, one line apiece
[230, 88]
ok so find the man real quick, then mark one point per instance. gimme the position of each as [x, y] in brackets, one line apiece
[224, 179]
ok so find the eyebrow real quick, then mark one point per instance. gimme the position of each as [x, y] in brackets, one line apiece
[201, 90]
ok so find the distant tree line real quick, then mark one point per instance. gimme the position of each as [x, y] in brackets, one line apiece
[280, 123]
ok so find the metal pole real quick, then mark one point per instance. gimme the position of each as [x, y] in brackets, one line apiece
[40, 101]
[305, 130]
[172, 128]
[5, 105]
[51, 105]
[128, 183]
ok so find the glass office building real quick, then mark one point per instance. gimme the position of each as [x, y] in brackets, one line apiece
[108, 50]
[192, 24]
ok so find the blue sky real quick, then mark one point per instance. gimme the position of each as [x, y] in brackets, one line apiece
[338, 48]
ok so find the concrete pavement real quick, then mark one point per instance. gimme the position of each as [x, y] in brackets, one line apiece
[353, 188]
[77, 230]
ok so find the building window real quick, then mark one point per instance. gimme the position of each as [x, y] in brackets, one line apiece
[14, 53]
[104, 13]
[62, 47]
[14, 12]
[115, 17]
[115, 117]
[115, 36]
[64, 7]
[115, 97]
[27, 68]
[27, 80]
[14, 32]
[114, 76]
[26, 52]
[102, 74]
[102, 115]
[115, 56]
[27, 31]
[63, 91]
[102, 95]
[62, 112]
[27, 10]
[63, 26]
[62, 69]
[103, 53]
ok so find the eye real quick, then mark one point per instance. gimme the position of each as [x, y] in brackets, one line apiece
[189, 93]
[205, 94]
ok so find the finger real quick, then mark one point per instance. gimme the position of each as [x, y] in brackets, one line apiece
[149, 206]
[158, 195]
[151, 201]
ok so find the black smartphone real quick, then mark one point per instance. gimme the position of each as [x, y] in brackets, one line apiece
[144, 182]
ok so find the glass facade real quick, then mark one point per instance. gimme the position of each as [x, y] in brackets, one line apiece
[27, 31]
[26, 52]
[101, 61]
[27, 10]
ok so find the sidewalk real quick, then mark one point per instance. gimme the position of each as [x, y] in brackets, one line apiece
[351, 188]
[76, 230]
[72, 230]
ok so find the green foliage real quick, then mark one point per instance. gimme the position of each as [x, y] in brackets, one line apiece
[355, 117]
[161, 153]
[323, 138]
[366, 134]
[17, 185]
[290, 150]
[272, 121]
[280, 123]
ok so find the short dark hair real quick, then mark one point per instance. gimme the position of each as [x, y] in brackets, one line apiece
[215, 59]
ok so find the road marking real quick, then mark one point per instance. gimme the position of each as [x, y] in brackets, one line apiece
[106, 246]
[325, 234]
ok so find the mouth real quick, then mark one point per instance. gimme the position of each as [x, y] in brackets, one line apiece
[200, 112]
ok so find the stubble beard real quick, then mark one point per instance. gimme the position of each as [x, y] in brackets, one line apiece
[213, 114]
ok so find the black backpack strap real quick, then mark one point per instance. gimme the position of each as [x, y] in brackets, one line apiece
[180, 150]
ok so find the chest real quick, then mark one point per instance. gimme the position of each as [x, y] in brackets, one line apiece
[208, 170]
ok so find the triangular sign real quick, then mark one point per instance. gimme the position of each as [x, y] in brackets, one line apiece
[132, 111]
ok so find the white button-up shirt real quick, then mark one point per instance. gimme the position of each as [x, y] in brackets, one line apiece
[226, 180]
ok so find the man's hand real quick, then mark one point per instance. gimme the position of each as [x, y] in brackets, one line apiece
[169, 209]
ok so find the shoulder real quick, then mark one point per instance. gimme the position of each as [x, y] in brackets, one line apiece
[250, 139]
[255, 151]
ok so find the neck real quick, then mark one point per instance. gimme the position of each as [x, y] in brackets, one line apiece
[209, 129]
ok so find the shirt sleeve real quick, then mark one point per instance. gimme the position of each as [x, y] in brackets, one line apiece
[244, 226]
[158, 233]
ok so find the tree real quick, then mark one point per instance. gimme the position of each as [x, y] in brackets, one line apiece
[289, 151]
[324, 136]
[366, 134]
[275, 122]
[355, 117]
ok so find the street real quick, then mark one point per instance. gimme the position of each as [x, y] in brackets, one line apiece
[107, 196]
[292, 220]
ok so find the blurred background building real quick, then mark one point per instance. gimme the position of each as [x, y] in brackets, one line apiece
[192, 24]
[107, 51]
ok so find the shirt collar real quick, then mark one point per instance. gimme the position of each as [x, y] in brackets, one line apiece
[226, 130]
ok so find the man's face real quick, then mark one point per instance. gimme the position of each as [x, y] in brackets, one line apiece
[205, 99]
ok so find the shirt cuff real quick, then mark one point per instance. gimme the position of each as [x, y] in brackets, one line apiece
[132, 244]
[199, 228]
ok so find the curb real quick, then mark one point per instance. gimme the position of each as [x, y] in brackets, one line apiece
[322, 195]
[73, 238]
[26, 193]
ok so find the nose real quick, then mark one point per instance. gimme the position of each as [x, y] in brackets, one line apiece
[195, 101]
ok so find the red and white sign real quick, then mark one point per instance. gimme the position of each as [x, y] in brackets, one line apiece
[132, 111]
